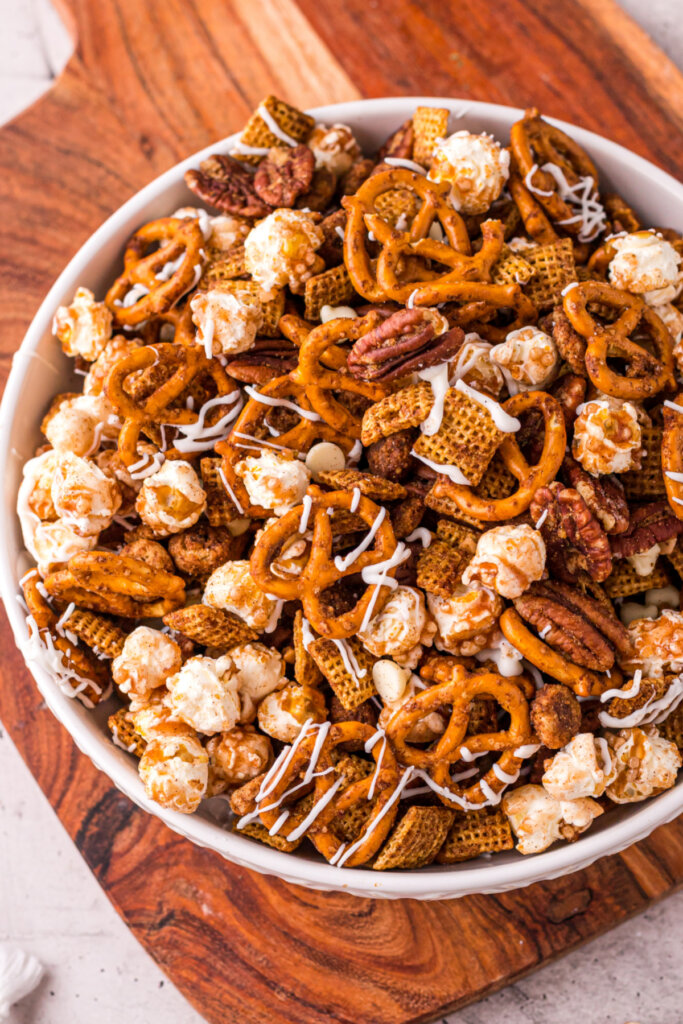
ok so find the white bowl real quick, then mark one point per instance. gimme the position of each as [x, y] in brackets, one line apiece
[40, 370]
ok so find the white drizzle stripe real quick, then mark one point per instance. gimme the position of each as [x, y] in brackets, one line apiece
[343, 562]
[349, 660]
[273, 777]
[467, 755]
[315, 810]
[437, 376]
[233, 496]
[505, 423]
[632, 691]
[278, 824]
[651, 712]
[403, 782]
[541, 519]
[452, 472]
[422, 534]
[306, 506]
[268, 444]
[197, 437]
[532, 188]
[527, 750]
[267, 400]
[355, 501]
[410, 165]
[377, 574]
[274, 127]
[584, 198]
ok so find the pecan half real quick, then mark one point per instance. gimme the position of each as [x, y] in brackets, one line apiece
[284, 175]
[390, 456]
[570, 344]
[604, 496]
[224, 184]
[570, 391]
[576, 625]
[575, 541]
[404, 343]
[400, 144]
[268, 358]
[650, 524]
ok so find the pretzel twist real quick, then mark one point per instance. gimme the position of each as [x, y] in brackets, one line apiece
[672, 454]
[382, 282]
[583, 681]
[179, 239]
[250, 425]
[158, 407]
[647, 374]
[534, 141]
[457, 687]
[107, 582]
[530, 477]
[319, 382]
[321, 571]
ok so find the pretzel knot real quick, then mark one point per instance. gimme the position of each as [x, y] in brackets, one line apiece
[457, 687]
[535, 142]
[530, 477]
[163, 275]
[107, 582]
[82, 662]
[672, 454]
[322, 570]
[397, 246]
[320, 382]
[250, 427]
[647, 374]
[379, 787]
[583, 681]
[176, 367]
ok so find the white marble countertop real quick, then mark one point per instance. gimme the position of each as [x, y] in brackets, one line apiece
[52, 906]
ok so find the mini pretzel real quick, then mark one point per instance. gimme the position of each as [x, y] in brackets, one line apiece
[457, 687]
[106, 582]
[582, 681]
[177, 237]
[363, 216]
[535, 142]
[320, 383]
[158, 407]
[75, 658]
[672, 454]
[646, 374]
[249, 424]
[482, 301]
[320, 571]
[530, 477]
[381, 783]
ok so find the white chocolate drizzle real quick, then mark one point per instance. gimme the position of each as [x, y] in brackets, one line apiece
[284, 402]
[504, 422]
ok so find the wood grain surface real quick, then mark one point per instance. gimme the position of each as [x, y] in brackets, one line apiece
[148, 83]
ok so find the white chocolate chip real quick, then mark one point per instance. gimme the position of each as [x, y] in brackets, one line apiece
[390, 680]
[325, 457]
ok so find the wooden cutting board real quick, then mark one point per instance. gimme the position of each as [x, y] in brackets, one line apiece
[149, 83]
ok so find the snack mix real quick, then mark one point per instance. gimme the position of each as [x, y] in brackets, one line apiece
[369, 512]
